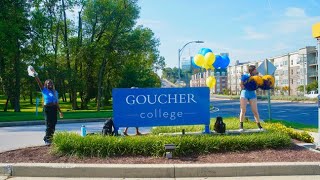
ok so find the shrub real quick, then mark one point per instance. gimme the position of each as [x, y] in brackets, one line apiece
[65, 143]
[233, 123]
[294, 134]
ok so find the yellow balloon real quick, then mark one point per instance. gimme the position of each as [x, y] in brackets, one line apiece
[206, 66]
[211, 81]
[257, 79]
[270, 79]
[211, 67]
[209, 58]
[199, 60]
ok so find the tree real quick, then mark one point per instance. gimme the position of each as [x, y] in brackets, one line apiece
[14, 30]
[313, 86]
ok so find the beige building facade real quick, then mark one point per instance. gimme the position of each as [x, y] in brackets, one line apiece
[293, 70]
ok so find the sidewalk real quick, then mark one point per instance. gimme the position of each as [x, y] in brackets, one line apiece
[316, 177]
[160, 170]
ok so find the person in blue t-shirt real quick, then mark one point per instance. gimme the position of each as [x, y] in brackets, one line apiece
[50, 107]
[251, 97]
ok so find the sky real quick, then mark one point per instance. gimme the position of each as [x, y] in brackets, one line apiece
[249, 30]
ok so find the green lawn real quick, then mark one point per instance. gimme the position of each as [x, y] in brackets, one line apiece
[28, 111]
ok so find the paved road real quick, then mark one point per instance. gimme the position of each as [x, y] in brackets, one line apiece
[289, 111]
[26, 136]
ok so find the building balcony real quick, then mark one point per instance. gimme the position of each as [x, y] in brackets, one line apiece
[313, 62]
[313, 74]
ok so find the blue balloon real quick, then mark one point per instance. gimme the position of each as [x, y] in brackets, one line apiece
[218, 63]
[245, 77]
[200, 51]
[225, 61]
[204, 51]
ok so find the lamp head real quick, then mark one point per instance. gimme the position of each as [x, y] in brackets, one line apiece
[199, 41]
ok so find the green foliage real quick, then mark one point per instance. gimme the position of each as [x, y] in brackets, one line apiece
[101, 146]
[294, 125]
[171, 74]
[292, 98]
[294, 134]
[313, 86]
[88, 58]
[233, 123]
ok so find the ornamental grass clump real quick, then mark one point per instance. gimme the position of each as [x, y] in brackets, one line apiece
[65, 143]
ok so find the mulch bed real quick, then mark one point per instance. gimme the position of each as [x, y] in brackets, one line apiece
[41, 154]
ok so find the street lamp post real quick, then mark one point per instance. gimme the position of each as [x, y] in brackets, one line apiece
[316, 34]
[179, 54]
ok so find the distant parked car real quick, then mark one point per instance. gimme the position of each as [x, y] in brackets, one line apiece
[312, 94]
[181, 83]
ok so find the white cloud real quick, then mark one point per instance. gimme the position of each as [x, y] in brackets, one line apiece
[293, 24]
[251, 34]
[295, 12]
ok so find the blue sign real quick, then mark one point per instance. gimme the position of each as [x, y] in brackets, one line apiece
[147, 107]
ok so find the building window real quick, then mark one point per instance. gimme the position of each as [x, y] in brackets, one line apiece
[291, 81]
[291, 62]
[291, 71]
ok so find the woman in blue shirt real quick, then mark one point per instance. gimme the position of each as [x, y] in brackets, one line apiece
[251, 97]
[50, 107]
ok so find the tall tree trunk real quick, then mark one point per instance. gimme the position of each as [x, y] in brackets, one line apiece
[104, 62]
[100, 79]
[17, 78]
[73, 98]
[30, 96]
[5, 109]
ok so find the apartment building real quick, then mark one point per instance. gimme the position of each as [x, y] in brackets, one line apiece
[199, 80]
[234, 74]
[293, 69]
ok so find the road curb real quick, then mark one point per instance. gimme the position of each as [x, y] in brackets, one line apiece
[41, 122]
[160, 170]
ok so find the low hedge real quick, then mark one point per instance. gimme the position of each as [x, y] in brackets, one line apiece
[65, 143]
[233, 123]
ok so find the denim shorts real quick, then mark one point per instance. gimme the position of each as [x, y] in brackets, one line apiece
[248, 94]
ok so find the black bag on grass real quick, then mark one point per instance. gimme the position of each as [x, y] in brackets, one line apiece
[219, 126]
[108, 129]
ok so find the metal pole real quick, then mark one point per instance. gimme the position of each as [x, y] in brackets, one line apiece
[179, 54]
[318, 42]
[269, 103]
[179, 68]
[304, 77]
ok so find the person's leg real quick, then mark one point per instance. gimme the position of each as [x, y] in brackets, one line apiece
[125, 132]
[243, 106]
[254, 108]
[46, 114]
[50, 121]
[137, 131]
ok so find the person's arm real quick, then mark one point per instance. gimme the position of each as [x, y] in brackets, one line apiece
[60, 112]
[58, 106]
[37, 78]
[39, 82]
[241, 85]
